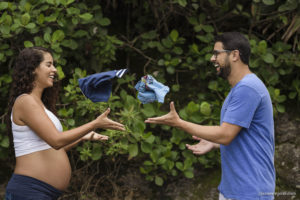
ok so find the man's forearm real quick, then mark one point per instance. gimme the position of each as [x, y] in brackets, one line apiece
[211, 133]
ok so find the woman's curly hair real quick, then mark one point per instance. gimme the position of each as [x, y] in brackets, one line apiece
[23, 78]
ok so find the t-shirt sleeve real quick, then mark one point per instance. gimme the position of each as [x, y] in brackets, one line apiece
[242, 106]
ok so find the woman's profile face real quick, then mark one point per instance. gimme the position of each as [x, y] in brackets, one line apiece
[45, 72]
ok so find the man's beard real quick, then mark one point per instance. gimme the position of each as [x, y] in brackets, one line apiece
[224, 71]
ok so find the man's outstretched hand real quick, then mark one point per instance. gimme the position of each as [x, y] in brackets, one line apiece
[202, 147]
[170, 119]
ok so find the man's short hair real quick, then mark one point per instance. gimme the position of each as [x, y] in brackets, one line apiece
[235, 41]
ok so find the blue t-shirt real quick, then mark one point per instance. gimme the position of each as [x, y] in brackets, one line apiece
[248, 171]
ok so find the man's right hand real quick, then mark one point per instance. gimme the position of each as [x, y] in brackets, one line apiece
[202, 147]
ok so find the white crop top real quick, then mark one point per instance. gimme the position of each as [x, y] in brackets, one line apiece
[26, 141]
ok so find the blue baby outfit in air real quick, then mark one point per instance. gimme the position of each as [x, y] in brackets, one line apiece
[248, 171]
[97, 87]
[151, 90]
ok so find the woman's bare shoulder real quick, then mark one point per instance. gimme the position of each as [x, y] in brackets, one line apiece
[25, 101]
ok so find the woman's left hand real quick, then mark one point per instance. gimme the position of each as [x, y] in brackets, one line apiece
[93, 136]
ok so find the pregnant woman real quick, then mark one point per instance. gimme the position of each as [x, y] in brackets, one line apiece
[42, 168]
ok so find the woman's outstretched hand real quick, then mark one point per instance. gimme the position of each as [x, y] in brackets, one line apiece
[105, 123]
[93, 136]
[170, 119]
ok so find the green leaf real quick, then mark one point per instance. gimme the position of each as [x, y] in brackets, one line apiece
[73, 11]
[161, 62]
[280, 108]
[38, 41]
[175, 88]
[208, 28]
[170, 164]
[188, 174]
[170, 70]
[205, 108]
[5, 142]
[60, 73]
[104, 21]
[192, 107]
[159, 181]
[148, 163]
[5, 29]
[262, 47]
[52, 17]
[292, 95]
[28, 44]
[182, 3]
[96, 151]
[138, 127]
[281, 98]
[174, 35]
[80, 33]
[146, 147]
[2, 56]
[268, 58]
[86, 16]
[3, 5]
[71, 122]
[154, 155]
[149, 35]
[167, 43]
[213, 85]
[289, 5]
[47, 37]
[27, 6]
[58, 35]
[8, 20]
[72, 44]
[25, 19]
[175, 61]
[30, 26]
[192, 20]
[150, 139]
[70, 1]
[254, 63]
[41, 19]
[194, 47]
[148, 110]
[198, 27]
[75, 21]
[179, 165]
[4, 46]
[133, 150]
[161, 161]
[178, 50]
[50, 2]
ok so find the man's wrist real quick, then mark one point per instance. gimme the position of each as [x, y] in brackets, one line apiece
[216, 146]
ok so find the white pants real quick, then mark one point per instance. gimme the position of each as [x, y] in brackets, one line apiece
[221, 197]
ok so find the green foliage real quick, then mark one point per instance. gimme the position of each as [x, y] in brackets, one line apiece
[172, 41]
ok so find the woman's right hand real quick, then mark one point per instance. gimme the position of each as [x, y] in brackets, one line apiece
[105, 123]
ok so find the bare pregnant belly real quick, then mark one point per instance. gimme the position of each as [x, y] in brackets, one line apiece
[51, 166]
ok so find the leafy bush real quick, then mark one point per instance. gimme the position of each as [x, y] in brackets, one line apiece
[171, 40]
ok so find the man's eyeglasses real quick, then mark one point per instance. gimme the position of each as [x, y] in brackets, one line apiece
[217, 52]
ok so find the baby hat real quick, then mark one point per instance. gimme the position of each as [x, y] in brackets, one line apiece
[151, 90]
[97, 87]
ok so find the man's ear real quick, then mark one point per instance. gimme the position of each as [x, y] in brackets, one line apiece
[236, 55]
